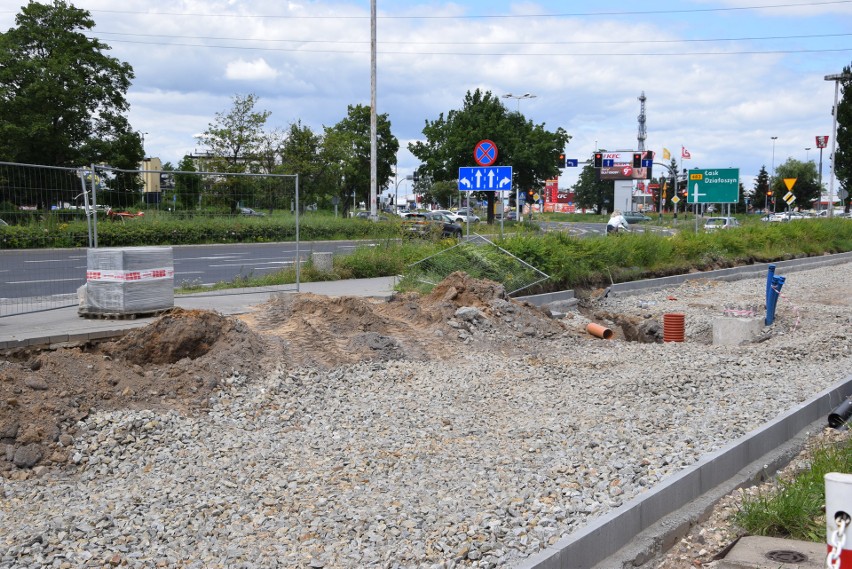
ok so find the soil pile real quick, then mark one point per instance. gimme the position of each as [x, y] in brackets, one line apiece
[180, 358]
[174, 362]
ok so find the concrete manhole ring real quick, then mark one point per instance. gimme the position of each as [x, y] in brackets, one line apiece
[786, 556]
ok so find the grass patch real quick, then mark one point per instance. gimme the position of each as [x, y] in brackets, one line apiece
[795, 508]
[574, 262]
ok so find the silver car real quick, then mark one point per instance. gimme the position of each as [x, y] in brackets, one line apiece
[714, 223]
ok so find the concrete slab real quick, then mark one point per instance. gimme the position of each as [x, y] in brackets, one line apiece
[755, 552]
[733, 331]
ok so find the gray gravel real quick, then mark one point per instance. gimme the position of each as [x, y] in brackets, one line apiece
[479, 461]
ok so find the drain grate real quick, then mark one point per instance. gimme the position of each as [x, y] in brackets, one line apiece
[786, 556]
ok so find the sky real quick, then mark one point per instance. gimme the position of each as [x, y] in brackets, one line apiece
[721, 77]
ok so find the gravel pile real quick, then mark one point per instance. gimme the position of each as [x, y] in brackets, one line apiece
[478, 460]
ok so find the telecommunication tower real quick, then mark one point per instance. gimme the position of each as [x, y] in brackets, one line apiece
[643, 134]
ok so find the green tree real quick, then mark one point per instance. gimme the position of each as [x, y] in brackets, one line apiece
[590, 192]
[346, 152]
[62, 99]
[806, 188]
[187, 186]
[301, 154]
[235, 142]
[759, 197]
[530, 149]
[843, 152]
[442, 193]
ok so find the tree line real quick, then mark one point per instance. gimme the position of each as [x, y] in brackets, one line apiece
[64, 103]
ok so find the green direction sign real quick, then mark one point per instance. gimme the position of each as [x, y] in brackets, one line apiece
[721, 185]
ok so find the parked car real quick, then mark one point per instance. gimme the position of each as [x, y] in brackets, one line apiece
[250, 211]
[511, 215]
[635, 217]
[430, 224]
[463, 215]
[714, 223]
[366, 215]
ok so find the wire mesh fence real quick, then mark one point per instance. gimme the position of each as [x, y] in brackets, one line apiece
[480, 258]
[50, 215]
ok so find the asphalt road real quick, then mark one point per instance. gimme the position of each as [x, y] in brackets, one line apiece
[26, 273]
[47, 272]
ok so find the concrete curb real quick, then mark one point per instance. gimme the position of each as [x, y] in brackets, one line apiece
[650, 523]
[734, 273]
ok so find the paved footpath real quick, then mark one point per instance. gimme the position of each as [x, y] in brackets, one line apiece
[61, 325]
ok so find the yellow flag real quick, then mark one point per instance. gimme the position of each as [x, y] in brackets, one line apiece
[666, 154]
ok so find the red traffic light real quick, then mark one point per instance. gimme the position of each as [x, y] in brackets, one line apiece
[598, 159]
[637, 159]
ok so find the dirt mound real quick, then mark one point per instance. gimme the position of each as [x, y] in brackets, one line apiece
[459, 289]
[175, 362]
[184, 334]
[179, 359]
[332, 331]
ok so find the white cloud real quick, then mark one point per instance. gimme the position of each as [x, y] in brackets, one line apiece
[257, 70]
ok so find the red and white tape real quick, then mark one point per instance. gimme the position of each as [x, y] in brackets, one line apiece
[129, 276]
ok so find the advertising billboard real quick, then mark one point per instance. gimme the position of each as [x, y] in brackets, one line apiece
[623, 165]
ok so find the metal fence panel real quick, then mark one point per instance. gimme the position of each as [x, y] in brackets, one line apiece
[49, 215]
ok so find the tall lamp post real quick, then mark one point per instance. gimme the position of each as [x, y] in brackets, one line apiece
[519, 97]
[396, 194]
[772, 180]
[837, 78]
[807, 154]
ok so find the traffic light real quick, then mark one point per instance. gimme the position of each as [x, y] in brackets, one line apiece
[637, 159]
[416, 176]
[598, 159]
[560, 160]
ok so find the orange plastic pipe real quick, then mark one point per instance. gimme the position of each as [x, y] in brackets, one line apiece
[599, 331]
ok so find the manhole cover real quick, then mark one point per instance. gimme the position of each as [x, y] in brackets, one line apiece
[786, 556]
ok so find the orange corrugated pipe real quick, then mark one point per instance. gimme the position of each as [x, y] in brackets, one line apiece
[599, 331]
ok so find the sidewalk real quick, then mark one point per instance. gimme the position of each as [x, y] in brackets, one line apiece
[63, 325]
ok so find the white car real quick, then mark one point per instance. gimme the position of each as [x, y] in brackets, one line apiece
[457, 217]
[714, 223]
[464, 214]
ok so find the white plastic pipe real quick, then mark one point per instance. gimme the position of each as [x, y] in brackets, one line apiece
[838, 504]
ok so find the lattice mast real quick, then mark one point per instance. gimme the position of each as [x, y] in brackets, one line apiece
[643, 134]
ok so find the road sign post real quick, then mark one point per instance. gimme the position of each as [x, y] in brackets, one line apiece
[720, 185]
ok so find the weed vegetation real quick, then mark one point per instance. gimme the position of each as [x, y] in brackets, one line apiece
[589, 262]
[570, 262]
[795, 509]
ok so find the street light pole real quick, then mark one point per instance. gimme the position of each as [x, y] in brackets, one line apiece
[772, 180]
[519, 97]
[837, 78]
[396, 194]
[807, 154]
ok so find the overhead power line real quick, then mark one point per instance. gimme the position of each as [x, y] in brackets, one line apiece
[491, 16]
[496, 54]
[513, 43]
